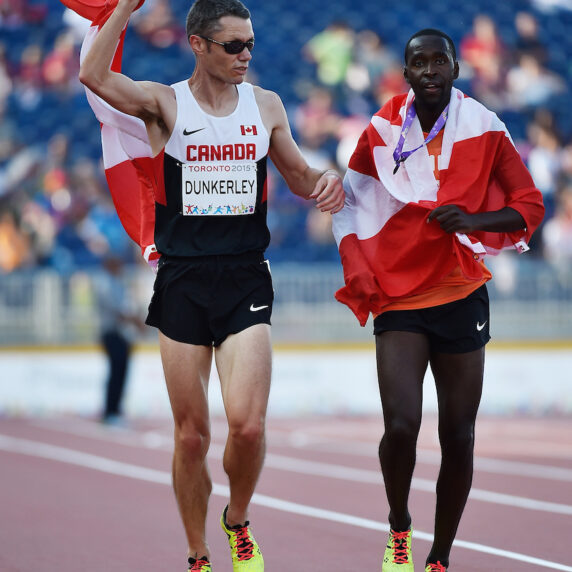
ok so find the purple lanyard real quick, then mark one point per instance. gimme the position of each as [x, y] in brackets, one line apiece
[399, 155]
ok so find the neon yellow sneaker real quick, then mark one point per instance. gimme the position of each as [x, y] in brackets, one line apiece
[397, 557]
[199, 565]
[435, 567]
[246, 556]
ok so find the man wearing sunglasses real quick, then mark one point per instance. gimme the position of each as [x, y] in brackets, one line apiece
[210, 137]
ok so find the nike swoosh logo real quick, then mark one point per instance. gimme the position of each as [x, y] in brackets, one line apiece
[254, 308]
[481, 326]
[185, 132]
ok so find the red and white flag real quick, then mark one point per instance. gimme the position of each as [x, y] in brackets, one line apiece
[386, 246]
[126, 150]
[248, 130]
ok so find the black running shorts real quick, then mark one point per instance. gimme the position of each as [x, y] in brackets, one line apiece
[457, 327]
[202, 300]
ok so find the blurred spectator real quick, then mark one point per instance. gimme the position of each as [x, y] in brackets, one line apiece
[29, 81]
[482, 46]
[530, 85]
[390, 84]
[371, 59]
[349, 131]
[315, 119]
[157, 25]
[89, 229]
[17, 13]
[61, 65]
[41, 228]
[483, 53]
[528, 41]
[320, 242]
[14, 243]
[331, 50]
[57, 153]
[544, 158]
[19, 164]
[8, 143]
[557, 233]
[565, 179]
[316, 123]
[5, 78]
[73, 194]
[79, 243]
[119, 324]
[55, 178]
[19, 168]
[12, 13]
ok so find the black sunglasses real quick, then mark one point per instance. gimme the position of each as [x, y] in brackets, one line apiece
[234, 47]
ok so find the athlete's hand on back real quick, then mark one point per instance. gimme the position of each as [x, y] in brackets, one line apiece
[329, 192]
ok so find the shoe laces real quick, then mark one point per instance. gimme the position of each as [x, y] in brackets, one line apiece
[197, 565]
[438, 567]
[399, 547]
[244, 546]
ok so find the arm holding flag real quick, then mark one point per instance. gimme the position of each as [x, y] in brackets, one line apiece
[125, 138]
[151, 102]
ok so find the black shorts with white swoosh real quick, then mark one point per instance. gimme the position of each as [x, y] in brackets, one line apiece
[457, 327]
[202, 300]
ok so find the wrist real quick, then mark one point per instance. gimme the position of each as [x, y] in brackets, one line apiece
[124, 9]
[331, 172]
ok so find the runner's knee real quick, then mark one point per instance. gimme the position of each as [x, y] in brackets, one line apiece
[248, 432]
[458, 440]
[402, 430]
[192, 440]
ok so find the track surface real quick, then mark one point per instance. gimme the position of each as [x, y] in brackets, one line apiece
[76, 495]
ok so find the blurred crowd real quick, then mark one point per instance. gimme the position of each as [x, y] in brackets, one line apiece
[55, 209]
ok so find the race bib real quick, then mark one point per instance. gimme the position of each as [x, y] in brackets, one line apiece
[219, 189]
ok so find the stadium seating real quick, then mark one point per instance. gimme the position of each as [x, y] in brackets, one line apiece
[281, 29]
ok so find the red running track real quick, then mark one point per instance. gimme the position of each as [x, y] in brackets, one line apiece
[75, 496]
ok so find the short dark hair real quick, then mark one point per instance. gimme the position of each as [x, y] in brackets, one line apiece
[204, 15]
[432, 32]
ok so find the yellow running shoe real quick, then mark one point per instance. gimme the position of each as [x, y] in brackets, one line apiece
[435, 567]
[199, 565]
[397, 557]
[246, 556]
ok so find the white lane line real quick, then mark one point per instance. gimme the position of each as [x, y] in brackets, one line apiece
[95, 462]
[365, 476]
[497, 466]
[503, 467]
[154, 440]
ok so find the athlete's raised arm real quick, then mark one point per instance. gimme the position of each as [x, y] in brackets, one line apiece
[152, 102]
[303, 180]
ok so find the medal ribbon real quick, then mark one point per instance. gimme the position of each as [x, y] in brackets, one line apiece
[398, 154]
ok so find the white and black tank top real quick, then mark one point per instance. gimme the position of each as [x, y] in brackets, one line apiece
[211, 180]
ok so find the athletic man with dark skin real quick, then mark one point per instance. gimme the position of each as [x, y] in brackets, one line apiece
[443, 324]
[403, 356]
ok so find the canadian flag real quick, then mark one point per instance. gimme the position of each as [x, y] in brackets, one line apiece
[248, 130]
[387, 248]
[126, 151]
